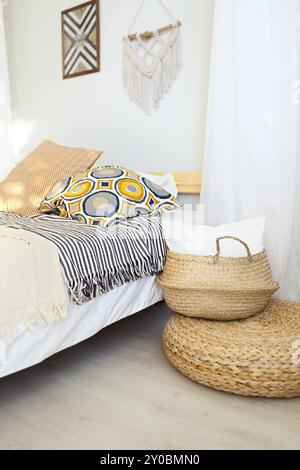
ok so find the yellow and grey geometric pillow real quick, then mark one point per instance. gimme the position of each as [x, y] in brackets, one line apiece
[107, 195]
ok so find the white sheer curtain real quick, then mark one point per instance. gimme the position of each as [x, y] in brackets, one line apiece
[6, 154]
[252, 152]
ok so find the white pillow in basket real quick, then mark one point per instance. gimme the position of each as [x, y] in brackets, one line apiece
[184, 235]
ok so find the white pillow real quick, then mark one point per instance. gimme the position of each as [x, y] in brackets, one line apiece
[184, 235]
[166, 181]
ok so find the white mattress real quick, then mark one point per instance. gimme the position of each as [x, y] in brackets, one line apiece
[32, 347]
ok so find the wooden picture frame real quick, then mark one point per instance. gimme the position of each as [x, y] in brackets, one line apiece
[80, 29]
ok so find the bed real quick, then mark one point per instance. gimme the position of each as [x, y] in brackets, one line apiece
[83, 319]
[66, 281]
[28, 348]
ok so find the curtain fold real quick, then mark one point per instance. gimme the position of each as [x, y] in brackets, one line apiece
[251, 161]
[6, 153]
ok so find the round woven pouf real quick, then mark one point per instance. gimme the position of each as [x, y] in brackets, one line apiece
[259, 356]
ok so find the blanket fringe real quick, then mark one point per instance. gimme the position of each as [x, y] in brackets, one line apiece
[89, 288]
[42, 316]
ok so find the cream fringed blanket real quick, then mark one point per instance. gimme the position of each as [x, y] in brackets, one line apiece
[31, 282]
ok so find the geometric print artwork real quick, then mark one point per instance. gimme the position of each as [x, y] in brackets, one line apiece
[107, 195]
[80, 39]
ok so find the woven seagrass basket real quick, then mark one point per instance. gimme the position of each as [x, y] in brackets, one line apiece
[217, 288]
[258, 356]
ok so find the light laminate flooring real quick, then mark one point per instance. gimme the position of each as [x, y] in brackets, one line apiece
[118, 391]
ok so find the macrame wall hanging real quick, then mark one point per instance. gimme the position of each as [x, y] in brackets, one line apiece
[151, 62]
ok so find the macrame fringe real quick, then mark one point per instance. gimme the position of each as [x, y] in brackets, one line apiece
[44, 315]
[147, 88]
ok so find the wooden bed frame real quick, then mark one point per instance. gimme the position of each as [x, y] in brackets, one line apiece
[188, 183]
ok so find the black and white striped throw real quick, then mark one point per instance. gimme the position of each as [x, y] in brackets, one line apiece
[96, 260]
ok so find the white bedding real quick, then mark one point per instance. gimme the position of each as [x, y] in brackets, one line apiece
[32, 347]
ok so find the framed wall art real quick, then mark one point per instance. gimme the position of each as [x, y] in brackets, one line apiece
[81, 39]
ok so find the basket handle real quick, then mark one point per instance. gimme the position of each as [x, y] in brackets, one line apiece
[227, 237]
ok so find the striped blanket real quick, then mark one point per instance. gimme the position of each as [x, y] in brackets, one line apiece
[95, 260]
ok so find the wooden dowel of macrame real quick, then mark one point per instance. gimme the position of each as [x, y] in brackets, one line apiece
[150, 34]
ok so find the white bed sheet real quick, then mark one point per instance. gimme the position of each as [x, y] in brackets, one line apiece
[32, 347]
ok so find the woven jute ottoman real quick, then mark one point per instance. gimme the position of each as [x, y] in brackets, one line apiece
[259, 356]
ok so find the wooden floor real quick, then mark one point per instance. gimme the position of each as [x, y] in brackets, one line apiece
[117, 391]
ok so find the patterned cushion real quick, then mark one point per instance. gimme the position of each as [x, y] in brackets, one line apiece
[27, 185]
[107, 195]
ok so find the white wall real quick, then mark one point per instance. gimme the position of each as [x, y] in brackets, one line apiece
[94, 110]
